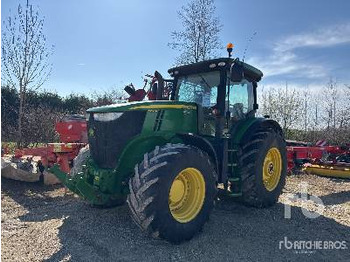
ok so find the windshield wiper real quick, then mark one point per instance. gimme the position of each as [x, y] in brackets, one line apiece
[205, 82]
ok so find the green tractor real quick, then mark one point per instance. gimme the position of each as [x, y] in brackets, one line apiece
[168, 158]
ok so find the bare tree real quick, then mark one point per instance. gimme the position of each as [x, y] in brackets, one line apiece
[25, 55]
[108, 97]
[284, 106]
[335, 102]
[344, 108]
[200, 35]
[39, 125]
[310, 116]
[330, 97]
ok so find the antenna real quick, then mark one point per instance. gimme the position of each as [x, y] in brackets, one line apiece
[247, 46]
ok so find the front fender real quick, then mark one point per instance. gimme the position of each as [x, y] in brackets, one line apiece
[201, 143]
[134, 151]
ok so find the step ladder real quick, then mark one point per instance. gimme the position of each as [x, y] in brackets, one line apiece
[233, 172]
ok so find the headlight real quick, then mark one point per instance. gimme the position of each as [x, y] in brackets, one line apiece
[106, 117]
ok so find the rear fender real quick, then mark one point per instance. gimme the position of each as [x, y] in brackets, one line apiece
[243, 131]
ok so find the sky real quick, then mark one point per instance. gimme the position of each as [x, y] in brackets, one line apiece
[99, 45]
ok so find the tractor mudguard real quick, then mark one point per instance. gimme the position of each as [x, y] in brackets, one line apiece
[201, 143]
[244, 129]
[134, 151]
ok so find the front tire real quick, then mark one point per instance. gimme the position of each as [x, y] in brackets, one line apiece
[172, 192]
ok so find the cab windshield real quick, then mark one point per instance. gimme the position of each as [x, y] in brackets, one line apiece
[199, 88]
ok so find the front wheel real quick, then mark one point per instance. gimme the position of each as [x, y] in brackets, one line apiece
[172, 192]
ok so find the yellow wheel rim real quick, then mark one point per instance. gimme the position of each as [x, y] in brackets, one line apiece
[186, 196]
[272, 169]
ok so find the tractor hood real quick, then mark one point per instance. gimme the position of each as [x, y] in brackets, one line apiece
[143, 105]
[111, 128]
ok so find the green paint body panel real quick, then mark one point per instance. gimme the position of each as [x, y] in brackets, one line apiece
[241, 129]
[163, 121]
[81, 186]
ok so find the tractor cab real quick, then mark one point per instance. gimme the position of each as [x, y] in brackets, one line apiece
[224, 90]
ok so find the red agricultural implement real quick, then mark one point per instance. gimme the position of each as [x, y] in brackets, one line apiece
[153, 92]
[320, 159]
[73, 136]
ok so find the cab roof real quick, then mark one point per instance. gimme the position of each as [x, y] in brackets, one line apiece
[250, 72]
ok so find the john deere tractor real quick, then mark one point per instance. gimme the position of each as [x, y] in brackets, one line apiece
[167, 158]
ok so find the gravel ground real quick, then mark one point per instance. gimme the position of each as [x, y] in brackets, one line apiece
[42, 223]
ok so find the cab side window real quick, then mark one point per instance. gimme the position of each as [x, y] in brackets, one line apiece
[241, 99]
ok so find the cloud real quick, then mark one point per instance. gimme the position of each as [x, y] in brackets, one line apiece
[81, 64]
[288, 63]
[283, 58]
[323, 37]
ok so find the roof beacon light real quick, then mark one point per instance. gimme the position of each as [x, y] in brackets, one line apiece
[229, 49]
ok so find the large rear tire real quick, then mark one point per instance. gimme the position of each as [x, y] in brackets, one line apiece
[172, 192]
[263, 165]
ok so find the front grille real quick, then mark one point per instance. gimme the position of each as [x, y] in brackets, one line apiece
[107, 139]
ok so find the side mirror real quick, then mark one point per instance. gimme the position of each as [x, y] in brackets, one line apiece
[236, 72]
